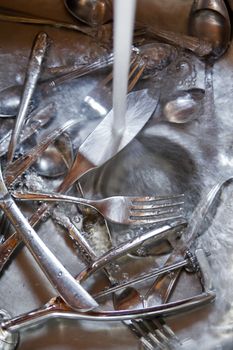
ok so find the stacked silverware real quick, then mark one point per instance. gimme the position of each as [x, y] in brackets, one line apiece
[161, 225]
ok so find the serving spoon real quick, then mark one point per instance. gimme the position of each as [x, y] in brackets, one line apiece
[91, 12]
[209, 20]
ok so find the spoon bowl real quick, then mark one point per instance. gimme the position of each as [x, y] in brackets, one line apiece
[56, 158]
[183, 106]
[91, 12]
[209, 20]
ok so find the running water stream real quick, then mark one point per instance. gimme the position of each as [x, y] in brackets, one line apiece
[124, 13]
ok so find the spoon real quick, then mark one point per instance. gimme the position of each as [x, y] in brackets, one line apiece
[91, 12]
[183, 106]
[35, 121]
[209, 20]
[56, 158]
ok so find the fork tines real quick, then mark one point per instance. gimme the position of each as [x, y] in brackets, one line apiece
[154, 334]
[156, 209]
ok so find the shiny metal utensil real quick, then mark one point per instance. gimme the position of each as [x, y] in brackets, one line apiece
[199, 47]
[19, 166]
[93, 13]
[121, 209]
[133, 299]
[7, 115]
[194, 229]
[8, 340]
[51, 163]
[56, 308]
[183, 106]
[115, 253]
[36, 120]
[98, 102]
[104, 33]
[95, 264]
[63, 74]
[174, 261]
[10, 97]
[146, 61]
[75, 70]
[60, 278]
[140, 108]
[209, 20]
[26, 19]
[32, 75]
[56, 158]
[154, 333]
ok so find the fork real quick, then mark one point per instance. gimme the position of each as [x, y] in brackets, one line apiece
[121, 209]
[195, 227]
[87, 160]
[150, 332]
[154, 333]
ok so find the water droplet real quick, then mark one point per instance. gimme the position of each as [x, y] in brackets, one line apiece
[184, 106]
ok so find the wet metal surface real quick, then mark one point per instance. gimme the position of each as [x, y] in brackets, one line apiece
[165, 158]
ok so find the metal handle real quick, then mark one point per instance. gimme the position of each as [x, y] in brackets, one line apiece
[67, 287]
[55, 310]
[49, 22]
[32, 75]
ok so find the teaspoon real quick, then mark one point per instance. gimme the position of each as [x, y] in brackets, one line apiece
[56, 158]
[183, 106]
